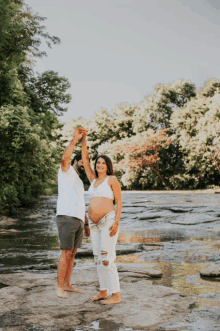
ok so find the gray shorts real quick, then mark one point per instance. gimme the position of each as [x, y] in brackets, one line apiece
[70, 231]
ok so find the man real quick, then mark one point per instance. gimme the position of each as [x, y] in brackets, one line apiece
[71, 218]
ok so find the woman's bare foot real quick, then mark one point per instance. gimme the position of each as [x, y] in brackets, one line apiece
[115, 298]
[61, 294]
[101, 295]
[71, 289]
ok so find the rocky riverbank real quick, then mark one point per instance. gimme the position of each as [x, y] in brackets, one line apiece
[168, 259]
[28, 301]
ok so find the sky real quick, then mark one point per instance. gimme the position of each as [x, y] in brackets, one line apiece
[115, 51]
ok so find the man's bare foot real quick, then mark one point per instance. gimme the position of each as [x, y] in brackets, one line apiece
[61, 294]
[71, 289]
[112, 300]
[101, 295]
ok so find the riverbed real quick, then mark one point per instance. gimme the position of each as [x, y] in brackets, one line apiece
[178, 234]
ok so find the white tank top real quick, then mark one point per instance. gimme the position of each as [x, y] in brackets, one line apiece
[70, 194]
[102, 190]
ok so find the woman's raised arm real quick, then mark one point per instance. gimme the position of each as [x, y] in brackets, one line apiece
[85, 156]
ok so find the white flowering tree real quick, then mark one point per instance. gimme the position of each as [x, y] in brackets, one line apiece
[104, 127]
[156, 109]
[198, 132]
[138, 159]
[191, 124]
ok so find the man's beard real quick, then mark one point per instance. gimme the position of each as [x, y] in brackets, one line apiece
[80, 169]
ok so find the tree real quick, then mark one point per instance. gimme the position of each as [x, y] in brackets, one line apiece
[138, 159]
[29, 104]
[46, 91]
[155, 110]
[188, 157]
[26, 160]
[198, 131]
[105, 127]
[45, 95]
[20, 33]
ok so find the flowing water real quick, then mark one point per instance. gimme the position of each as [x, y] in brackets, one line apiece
[176, 233]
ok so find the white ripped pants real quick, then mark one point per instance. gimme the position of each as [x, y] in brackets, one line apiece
[103, 243]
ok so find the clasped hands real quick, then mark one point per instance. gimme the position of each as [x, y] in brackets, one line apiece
[80, 133]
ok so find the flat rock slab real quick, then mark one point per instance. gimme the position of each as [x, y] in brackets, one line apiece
[34, 216]
[8, 231]
[120, 250]
[7, 221]
[212, 272]
[138, 271]
[123, 251]
[30, 300]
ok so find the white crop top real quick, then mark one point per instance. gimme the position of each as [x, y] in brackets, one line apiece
[102, 190]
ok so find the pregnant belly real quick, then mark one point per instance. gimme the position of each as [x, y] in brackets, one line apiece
[99, 207]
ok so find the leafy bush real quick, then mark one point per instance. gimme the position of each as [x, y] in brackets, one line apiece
[26, 160]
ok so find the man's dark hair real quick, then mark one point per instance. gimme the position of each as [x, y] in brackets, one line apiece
[77, 157]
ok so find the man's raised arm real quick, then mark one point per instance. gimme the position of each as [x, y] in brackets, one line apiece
[69, 150]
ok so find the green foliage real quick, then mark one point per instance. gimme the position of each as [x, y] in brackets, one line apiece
[45, 94]
[26, 160]
[155, 111]
[105, 128]
[20, 31]
[20, 37]
[50, 188]
[46, 91]
[31, 144]
[33, 139]
[192, 122]
[198, 131]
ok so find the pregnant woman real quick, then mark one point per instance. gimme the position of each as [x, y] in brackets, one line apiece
[104, 218]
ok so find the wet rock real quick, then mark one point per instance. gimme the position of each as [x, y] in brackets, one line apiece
[131, 210]
[212, 271]
[33, 297]
[34, 216]
[139, 271]
[194, 219]
[7, 221]
[8, 231]
[11, 298]
[151, 247]
[186, 251]
[120, 250]
[142, 201]
[157, 244]
[203, 320]
[148, 218]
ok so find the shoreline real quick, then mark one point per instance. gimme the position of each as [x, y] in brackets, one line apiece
[202, 191]
[197, 191]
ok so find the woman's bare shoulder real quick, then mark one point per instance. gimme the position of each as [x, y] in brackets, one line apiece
[112, 180]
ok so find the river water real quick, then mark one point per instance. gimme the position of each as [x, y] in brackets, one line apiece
[178, 233]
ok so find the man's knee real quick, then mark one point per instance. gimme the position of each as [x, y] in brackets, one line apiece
[67, 253]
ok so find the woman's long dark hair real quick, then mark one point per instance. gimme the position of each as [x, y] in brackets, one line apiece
[110, 171]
